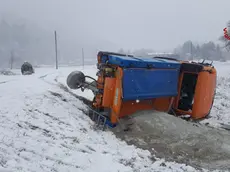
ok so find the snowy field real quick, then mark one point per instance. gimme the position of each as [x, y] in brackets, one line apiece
[43, 127]
[220, 111]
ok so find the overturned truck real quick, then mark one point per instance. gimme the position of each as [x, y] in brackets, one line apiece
[126, 84]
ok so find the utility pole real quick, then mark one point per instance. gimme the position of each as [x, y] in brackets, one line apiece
[11, 59]
[55, 35]
[83, 58]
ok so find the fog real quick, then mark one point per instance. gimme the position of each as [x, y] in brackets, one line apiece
[109, 25]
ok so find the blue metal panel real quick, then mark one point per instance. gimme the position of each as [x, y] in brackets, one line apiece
[134, 62]
[147, 84]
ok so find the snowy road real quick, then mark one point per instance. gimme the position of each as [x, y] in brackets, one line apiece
[44, 128]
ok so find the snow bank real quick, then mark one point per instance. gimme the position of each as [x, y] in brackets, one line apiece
[6, 72]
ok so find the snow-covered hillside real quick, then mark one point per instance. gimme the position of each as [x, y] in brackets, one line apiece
[43, 127]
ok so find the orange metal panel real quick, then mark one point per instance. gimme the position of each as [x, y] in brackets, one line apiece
[100, 81]
[130, 107]
[108, 92]
[204, 93]
[162, 104]
[159, 104]
[117, 98]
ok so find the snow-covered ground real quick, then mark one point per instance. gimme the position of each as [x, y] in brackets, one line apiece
[44, 128]
[221, 107]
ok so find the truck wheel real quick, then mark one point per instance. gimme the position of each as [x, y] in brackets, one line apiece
[75, 79]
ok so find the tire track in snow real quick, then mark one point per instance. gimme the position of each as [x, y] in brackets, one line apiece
[44, 76]
[4, 82]
[64, 88]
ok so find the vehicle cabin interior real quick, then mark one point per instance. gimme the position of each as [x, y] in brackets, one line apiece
[187, 92]
[189, 73]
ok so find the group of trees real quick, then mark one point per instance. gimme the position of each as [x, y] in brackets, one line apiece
[209, 51]
[189, 50]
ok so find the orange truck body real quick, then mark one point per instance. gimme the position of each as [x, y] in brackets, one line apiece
[204, 92]
[128, 84]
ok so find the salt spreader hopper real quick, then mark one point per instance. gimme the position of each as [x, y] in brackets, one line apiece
[127, 84]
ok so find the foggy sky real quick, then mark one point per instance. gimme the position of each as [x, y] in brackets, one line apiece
[129, 24]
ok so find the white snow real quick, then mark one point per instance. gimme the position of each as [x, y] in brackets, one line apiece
[220, 111]
[43, 128]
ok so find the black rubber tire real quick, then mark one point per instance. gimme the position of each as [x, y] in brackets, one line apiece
[75, 79]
